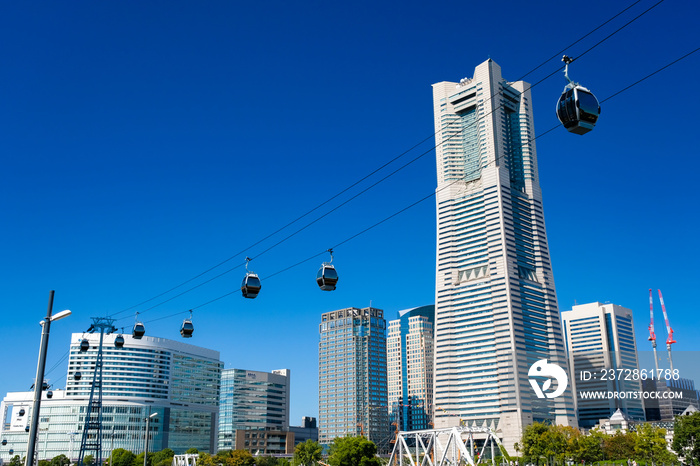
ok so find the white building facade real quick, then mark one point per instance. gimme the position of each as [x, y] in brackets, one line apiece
[601, 337]
[176, 381]
[496, 308]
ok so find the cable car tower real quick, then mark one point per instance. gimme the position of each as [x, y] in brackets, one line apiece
[92, 428]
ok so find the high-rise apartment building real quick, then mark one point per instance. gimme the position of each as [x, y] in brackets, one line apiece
[410, 368]
[254, 409]
[496, 310]
[601, 337]
[352, 393]
[175, 381]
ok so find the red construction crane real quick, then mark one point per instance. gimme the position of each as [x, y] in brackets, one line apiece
[652, 335]
[669, 330]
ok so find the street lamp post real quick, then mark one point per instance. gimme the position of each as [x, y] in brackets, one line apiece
[39, 382]
[145, 451]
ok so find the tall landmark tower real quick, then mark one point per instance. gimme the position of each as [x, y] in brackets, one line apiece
[496, 308]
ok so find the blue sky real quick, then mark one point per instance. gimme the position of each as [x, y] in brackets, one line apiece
[145, 142]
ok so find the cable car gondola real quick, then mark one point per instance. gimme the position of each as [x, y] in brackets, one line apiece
[250, 287]
[49, 394]
[187, 328]
[327, 276]
[21, 412]
[77, 376]
[84, 345]
[577, 109]
[139, 330]
[4, 442]
[119, 341]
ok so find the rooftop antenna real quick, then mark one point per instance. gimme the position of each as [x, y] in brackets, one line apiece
[652, 336]
[669, 330]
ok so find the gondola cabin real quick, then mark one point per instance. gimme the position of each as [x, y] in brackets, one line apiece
[327, 277]
[187, 329]
[138, 331]
[119, 341]
[84, 345]
[250, 287]
[578, 109]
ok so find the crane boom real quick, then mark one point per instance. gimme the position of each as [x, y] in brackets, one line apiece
[652, 336]
[669, 340]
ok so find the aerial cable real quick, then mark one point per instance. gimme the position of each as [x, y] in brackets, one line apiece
[371, 174]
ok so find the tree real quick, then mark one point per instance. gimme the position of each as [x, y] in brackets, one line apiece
[266, 461]
[163, 457]
[588, 448]
[686, 437]
[122, 457]
[138, 461]
[205, 459]
[16, 461]
[88, 460]
[353, 451]
[240, 458]
[650, 445]
[619, 446]
[307, 453]
[192, 451]
[44, 463]
[533, 443]
[60, 460]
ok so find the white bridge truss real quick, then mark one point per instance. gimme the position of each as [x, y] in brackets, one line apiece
[185, 460]
[453, 446]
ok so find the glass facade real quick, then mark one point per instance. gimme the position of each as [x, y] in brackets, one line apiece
[410, 369]
[353, 376]
[177, 381]
[253, 401]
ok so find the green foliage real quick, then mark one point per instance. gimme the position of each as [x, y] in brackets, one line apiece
[650, 445]
[88, 460]
[686, 438]
[307, 453]
[532, 445]
[240, 458]
[191, 451]
[588, 448]
[44, 463]
[60, 460]
[353, 451]
[122, 457]
[163, 458]
[266, 461]
[138, 461]
[205, 459]
[619, 446]
[16, 461]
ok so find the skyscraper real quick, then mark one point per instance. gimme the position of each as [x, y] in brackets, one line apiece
[253, 401]
[352, 394]
[601, 337]
[410, 368]
[496, 308]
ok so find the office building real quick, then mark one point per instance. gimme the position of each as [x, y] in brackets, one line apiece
[177, 382]
[306, 431]
[601, 337]
[665, 408]
[410, 369]
[254, 411]
[352, 376]
[496, 310]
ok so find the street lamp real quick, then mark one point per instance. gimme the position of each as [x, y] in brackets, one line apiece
[145, 451]
[39, 382]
